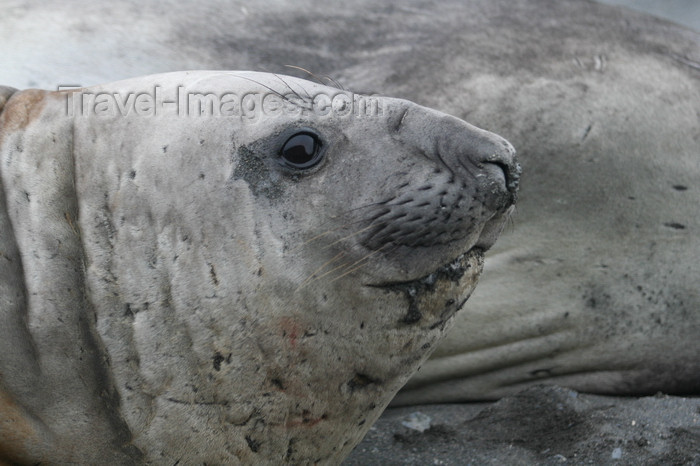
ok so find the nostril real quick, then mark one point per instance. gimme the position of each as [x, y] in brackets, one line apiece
[497, 155]
[510, 173]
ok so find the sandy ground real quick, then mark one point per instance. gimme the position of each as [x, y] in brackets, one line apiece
[541, 425]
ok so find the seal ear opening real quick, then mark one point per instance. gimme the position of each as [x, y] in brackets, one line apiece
[5, 94]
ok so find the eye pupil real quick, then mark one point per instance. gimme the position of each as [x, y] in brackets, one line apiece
[301, 150]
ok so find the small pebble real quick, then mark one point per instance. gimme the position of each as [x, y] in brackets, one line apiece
[417, 421]
[617, 453]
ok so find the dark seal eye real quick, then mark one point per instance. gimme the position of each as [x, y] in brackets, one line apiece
[302, 150]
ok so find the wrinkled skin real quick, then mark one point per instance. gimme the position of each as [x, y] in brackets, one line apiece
[594, 286]
[173, 290]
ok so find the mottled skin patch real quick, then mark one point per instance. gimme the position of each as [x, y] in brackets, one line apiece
[23, 108]
[5, 94]
[20, 433]
[255, 172]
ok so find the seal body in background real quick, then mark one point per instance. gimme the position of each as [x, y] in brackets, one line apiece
[229, 267]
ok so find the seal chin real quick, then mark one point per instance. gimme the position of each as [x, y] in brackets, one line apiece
[433, 299]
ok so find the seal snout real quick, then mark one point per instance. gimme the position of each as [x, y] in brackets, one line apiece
[486, 160]
[482, 162]
[499, 163]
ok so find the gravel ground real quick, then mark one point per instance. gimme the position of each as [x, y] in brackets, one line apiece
[541, 425]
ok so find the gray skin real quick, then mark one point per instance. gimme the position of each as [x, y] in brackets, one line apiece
[595, 284]
[174, 291]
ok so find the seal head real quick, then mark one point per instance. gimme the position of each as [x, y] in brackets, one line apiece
[256, 275]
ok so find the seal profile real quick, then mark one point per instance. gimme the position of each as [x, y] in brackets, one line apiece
[249, 279]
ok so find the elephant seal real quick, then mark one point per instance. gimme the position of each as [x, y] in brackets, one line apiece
[228, 267]
[594, 286]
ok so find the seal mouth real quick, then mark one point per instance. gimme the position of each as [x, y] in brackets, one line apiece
[452, 271]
